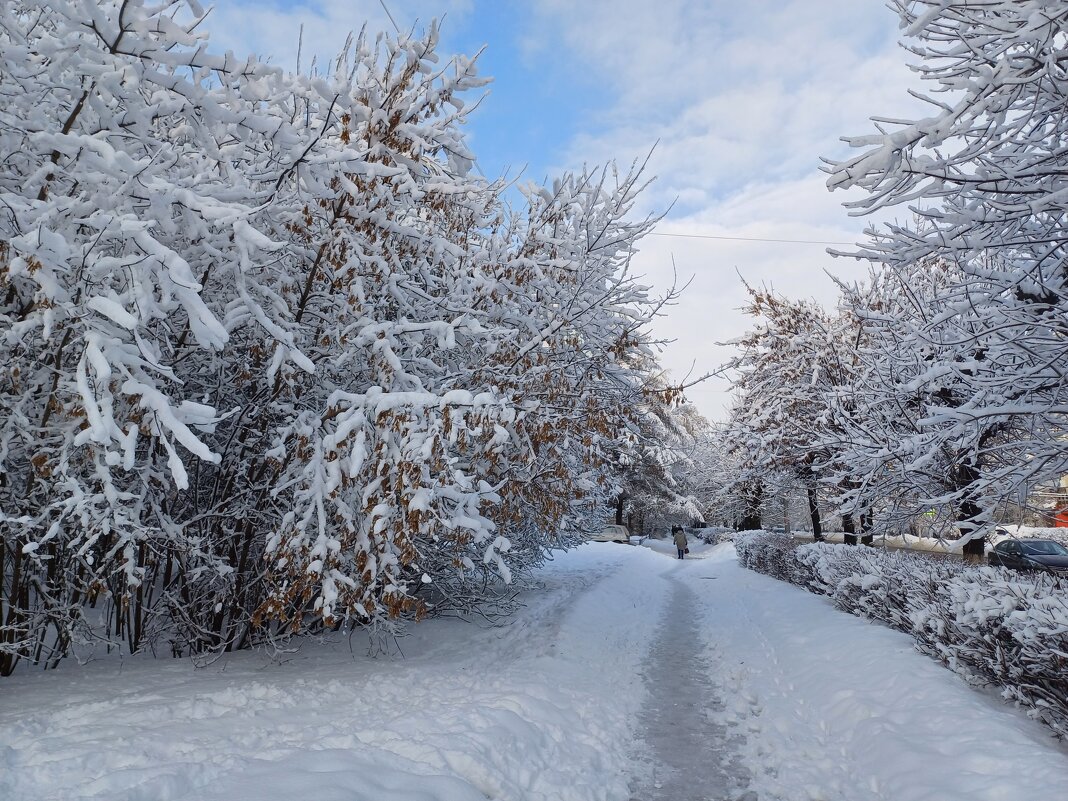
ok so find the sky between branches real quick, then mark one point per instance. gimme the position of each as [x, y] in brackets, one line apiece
[740, 101]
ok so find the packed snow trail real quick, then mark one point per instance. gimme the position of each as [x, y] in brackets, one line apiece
[835, 708]
[694, 757]
[597, 690]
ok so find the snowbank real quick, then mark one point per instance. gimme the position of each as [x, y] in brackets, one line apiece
[541, 708]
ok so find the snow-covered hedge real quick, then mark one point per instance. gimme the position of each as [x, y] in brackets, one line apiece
[993, 626]
[714, 535]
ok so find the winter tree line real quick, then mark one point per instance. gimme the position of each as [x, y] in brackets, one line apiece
[936, 385]
[276, 360]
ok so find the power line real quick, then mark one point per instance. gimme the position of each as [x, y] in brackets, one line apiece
[753, 239]
[386, 9]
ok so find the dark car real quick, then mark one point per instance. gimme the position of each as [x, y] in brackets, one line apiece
[1031, 555]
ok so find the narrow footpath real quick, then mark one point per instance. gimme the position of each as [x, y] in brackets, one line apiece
[694, 758]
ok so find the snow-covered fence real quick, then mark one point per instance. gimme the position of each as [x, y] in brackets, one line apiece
[993, 626]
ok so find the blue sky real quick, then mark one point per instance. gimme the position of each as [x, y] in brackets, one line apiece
[743, 98]
[541, 97]
[536, 104]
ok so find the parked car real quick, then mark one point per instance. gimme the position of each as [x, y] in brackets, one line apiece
[613, 533]
[1031, 555]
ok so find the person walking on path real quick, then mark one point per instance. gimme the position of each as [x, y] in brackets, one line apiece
[680, 540]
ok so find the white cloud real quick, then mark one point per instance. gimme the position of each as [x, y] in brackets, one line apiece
[273, 28]
[708, 312]
[743, 99]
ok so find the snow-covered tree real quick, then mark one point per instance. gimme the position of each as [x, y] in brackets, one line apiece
[985, 174]
[710, 472]
[654, 460]
[786, 369]
[122, 189]
[276, 360]
[920, 352]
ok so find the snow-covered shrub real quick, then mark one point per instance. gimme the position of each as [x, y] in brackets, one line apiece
[1005, 628]
[715, 535]
[992, 625]
[871, 582]
[771, 554]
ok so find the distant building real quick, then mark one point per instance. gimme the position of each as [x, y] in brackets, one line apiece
[1060, 504]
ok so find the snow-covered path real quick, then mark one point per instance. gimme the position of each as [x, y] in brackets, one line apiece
[693, 757]
[834, 708]
[625, 666]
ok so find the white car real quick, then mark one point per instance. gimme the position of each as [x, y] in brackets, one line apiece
[612, 533]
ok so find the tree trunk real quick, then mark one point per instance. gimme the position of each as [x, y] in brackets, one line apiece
[850, 532]
[969, 512]
[753, 496]
[750, 522]
[814, 512]
[866, 537]
[966, 522]
[619, 509]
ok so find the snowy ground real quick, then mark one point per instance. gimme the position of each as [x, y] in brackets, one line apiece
[629, 675]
